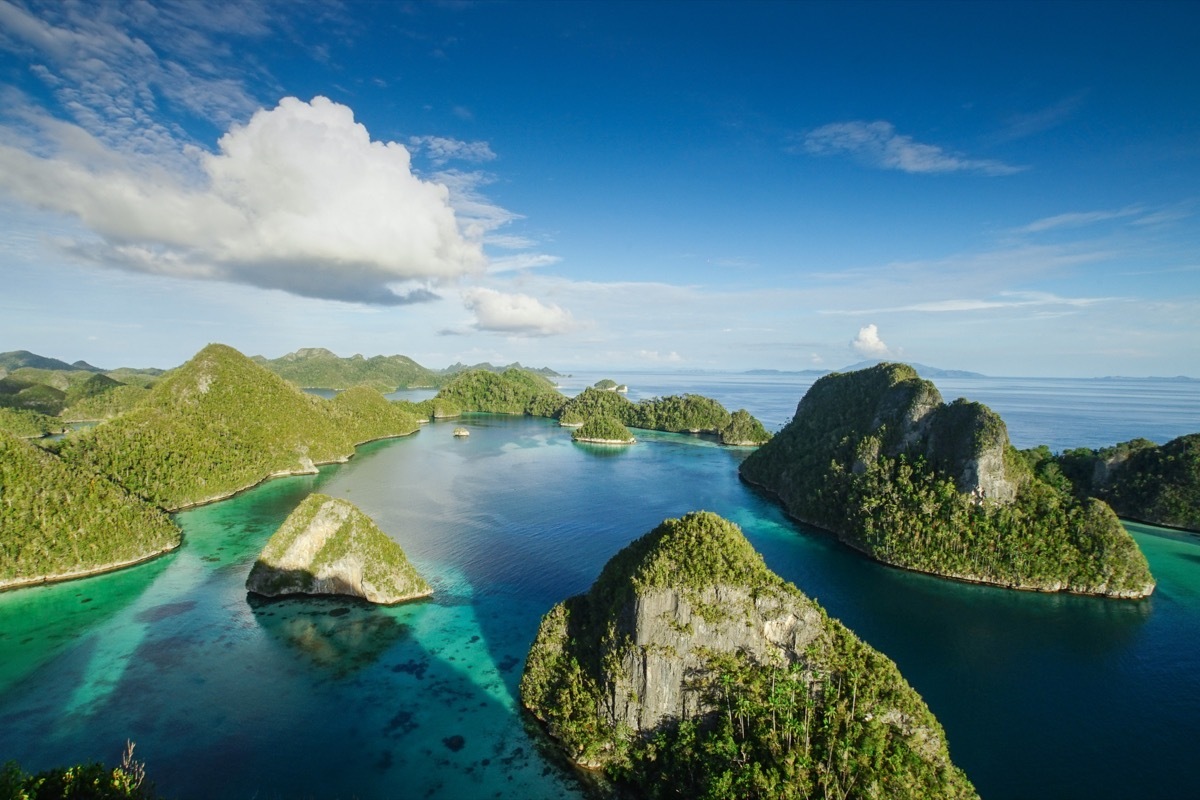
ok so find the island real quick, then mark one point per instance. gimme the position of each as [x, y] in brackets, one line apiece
[689, 669]
[603, 430]
[877, 458]
[520, 392]
[328, 546]
[1142, 481]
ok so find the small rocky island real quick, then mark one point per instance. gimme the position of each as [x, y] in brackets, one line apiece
[329, 546]
[603, 430]
[877, 458]
[689, 669]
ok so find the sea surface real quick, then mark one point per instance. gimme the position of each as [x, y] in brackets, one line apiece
[226, 696]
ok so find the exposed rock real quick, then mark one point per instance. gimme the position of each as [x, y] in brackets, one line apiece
[686, 624]
[461, 432]
[328, 546]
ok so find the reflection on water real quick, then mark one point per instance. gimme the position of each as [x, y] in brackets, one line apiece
[335, 634]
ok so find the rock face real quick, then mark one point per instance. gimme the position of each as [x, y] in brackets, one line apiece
[328, 546]
[687, 645]
[876, 457]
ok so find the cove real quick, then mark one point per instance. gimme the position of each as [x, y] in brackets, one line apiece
[1040, 695]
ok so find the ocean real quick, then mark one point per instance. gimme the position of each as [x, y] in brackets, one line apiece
[228, 696]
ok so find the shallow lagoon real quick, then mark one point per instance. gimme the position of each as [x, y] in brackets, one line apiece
[1040, 695]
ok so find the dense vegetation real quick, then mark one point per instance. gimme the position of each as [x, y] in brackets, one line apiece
[835, 719]
[1139, 479]
[28, 424]
[221, 423]
[317, 367]
[516, 392]
[602, 429]
[510, 392]
[877, 458]
[126, 781]
[57, 519]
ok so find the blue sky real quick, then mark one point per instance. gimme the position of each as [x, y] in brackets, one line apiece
[1008, 188]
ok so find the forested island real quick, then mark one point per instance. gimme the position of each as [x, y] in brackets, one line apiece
[876, 457]
[522, 392]
[216, 425]
[689, 669]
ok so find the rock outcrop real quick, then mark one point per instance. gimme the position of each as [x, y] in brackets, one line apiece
[687, 645]
[328, 546]
[876, 457]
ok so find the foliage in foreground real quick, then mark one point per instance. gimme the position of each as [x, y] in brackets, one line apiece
[94, 781]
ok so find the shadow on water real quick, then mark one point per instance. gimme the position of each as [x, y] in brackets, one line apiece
[337, 634]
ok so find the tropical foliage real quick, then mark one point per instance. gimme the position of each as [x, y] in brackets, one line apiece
[57, 519]
[877, 458]
[221, 423]
[1139, 479]
[27, 424]
[602, 429]
[126, 781]
[835, 720]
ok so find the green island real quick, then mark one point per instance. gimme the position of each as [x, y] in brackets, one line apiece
[328, 546]
[1143, 481]
[877, 458]
[59, 521]
[521, 392]
[603, 430]
[221, 423]
[689, 669]
[316, 367]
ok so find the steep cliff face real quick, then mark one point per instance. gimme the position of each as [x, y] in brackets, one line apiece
[688, 645]
[876, 457]
[328, 546]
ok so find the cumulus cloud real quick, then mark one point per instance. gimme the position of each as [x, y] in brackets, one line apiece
[299, 198]
[516, 314]
[868, 343]
[877, 144]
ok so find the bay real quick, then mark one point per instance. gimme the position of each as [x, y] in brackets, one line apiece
[225, 696]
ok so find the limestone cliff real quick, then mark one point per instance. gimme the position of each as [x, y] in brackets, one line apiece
[876, 457]
[690, 668]
[328, 546]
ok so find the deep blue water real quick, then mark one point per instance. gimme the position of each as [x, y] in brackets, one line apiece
[1041, 696]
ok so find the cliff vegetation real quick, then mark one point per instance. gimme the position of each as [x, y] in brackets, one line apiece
[877, 458]
[691, 670]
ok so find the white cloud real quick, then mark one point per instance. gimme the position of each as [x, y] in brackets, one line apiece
[1078, 219]
[299, 199]
[517, 314]
[522, 261]
[878, 144]
[660, 358]
[868, 343]
[1002, 301]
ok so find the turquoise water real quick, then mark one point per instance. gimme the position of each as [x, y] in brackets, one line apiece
[1041, 696]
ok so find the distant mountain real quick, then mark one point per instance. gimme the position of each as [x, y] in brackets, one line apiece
[15, 359]
[318, 368]
[454, 369]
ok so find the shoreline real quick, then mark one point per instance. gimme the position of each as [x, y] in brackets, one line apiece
[774, 497]
[47, 580]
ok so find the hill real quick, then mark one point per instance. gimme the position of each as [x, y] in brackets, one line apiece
[219, 424]
[1141, 480]
[691, 670]
[59, 521]
[876, 457]
[15, 359]
[316, 367]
